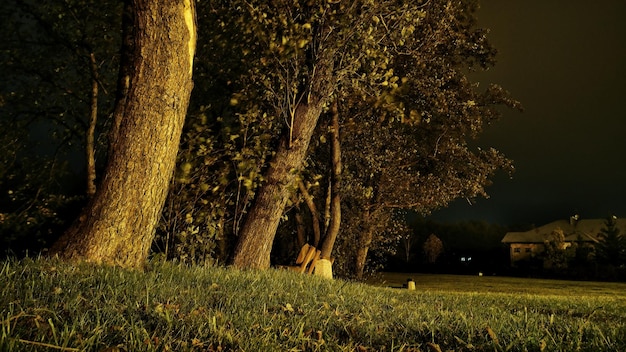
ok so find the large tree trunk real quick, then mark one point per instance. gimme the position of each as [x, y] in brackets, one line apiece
[117, 226]
[256, 237]
[335, 184]
[257, 234]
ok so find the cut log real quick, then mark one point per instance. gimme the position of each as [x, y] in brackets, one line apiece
[308, 258]
[317, 256]
[303, 252]
[309, 261]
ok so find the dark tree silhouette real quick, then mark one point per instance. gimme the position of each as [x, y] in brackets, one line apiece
[612, 248]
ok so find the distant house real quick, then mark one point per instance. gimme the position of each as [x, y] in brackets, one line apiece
[528, 245]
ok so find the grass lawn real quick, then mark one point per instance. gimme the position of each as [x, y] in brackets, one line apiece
[497, 284]
[47, 305]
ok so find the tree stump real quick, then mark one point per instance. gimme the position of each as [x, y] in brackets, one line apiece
[324, 268]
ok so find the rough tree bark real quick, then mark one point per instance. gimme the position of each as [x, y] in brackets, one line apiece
[256, 237]
[90, 148]
[117, 225]
[257, 233]
[364, 242]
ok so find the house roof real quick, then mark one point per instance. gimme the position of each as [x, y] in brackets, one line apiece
[586, 230]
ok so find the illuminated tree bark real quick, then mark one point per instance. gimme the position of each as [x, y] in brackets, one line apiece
[257, 234]
[90, 148]
[402, 74]
[256, 237]
[118, 224]
[363, 246]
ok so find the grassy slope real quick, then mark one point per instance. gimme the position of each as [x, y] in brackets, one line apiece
[208, 309]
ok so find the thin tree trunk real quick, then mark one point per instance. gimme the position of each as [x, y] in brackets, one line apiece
[90, 148]
[335, 205]
[408, 243]
[315, 216]
[300, 230]
[124, 74]
[118, 224]
[222, 239]
[327, 203]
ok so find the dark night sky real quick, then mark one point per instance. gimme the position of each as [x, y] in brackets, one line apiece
[566, 62]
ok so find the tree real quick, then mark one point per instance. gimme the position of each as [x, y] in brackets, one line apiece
[555, 255]
[611, 249]
[433, 248]
[375, 53]
[118, 224]
[407, 243]
[408, 148]
[303, 42]
[262, 56]
[58, 61]
[230, 133]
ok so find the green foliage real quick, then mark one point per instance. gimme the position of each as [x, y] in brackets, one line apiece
[580, 257]
[44, 109]
[46, 67]
[584, 253]
[174, 307]
[230, 133]
[260, 57]
[405, 140]
[386, 229]
[32, 208]
[397, 70]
